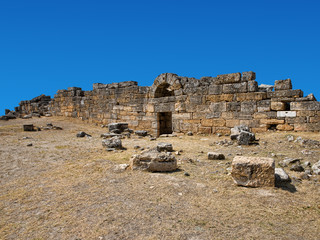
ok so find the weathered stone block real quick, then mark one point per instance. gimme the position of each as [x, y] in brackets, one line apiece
[205, 130]
[228, 78]
[253, 171]
[248, 76]
[278, 106]
[271, 121]
[183, 116]
[215, 156]
[252, 86]
[282, 84]
[248, 106]
[235, 87]
[215, 89]
[284, 127]
[285, 93]
[286, 114]
[232, 122]
[234, 106]
[257, 96]
[309, 106]
[218, 107]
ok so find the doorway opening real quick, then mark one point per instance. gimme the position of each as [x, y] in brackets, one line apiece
[164, 123]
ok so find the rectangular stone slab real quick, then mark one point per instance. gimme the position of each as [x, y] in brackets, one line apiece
[253, 171]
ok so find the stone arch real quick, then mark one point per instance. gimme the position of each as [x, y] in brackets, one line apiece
[164, 85]
[163, 90]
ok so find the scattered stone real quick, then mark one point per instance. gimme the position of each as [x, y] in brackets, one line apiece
[304, 176]
[110, 149]
[111, 135]
[29, 145]
[120, 126]
[253, 171]
[48, 115]
[153, 139]
[219, 134]
[290, 138]
[112, 143]
[316, 168]
[297, 168]
[289, 161]
[82, 134]
[281, 176]
[186, 174]
[120, 168]
[306, 164]
[245, 138]
[27, 116]
[164, 147]
[154, 161]
[242, 134]
[306, 152]
[215, 156]
[189, 133]
[28, 127]
[141, 133]
[136, 147]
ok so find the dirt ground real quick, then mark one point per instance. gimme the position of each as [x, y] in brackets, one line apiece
[64, 187]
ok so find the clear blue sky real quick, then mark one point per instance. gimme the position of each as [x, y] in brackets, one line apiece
[51, 45]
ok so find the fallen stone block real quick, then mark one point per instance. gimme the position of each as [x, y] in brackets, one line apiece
[114, 142]
[281, 176]
[316, 168]
[120, 126]
[164, 147]
[141, 133]
[253, 171]
[153, 161]
[28, 127]
[215, 156]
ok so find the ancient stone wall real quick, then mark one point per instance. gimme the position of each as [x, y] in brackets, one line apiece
[181, 104]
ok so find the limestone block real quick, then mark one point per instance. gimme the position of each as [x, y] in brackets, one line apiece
[218, 107]
[289, 114]
[243, 115]
[208, 115]
[282, 84]
[315, 119]
[220, 98]
[182, 116]
[215, 89]
[285, 93]
[248, 76]
[228, 78]
[306, 113]
[271, 121]
[257, 96]
[205, 130]
[218, 122]
[153, 161]
[232, 122]
[260, 129]
[180, 107]
[234, 106]
[249, 106]
[227, 115]
[284, 127]
[206, 122]
[253, 171]
[215, 156]
[235, 87]
[252, 86]
[222, 130]
[309, 106]
[278, 106]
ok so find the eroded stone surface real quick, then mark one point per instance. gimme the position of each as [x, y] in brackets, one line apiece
[253, 171]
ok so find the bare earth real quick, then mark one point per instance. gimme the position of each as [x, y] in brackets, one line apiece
[65, 187]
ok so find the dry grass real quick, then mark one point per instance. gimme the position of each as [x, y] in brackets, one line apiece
[64, 187]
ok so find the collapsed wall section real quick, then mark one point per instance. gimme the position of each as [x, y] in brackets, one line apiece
[181, 104]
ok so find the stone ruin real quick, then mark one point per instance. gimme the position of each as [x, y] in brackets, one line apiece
[180, 104]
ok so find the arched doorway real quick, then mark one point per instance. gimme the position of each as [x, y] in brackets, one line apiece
[164, 119]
